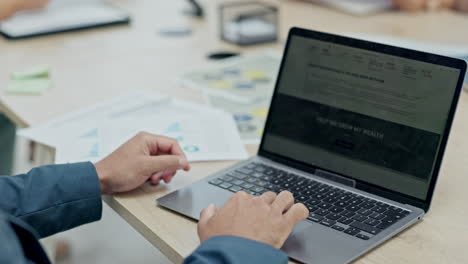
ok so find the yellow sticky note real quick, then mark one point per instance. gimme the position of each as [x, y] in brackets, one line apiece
[29, 87]
[221, 84]
[260, 112]
[256, 75]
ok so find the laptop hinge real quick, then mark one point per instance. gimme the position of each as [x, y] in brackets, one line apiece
[335, 178]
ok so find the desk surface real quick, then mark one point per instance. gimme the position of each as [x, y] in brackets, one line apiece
[92, 65]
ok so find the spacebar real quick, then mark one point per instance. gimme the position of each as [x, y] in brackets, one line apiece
[365, 227]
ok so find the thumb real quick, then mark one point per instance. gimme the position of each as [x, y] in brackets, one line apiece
[206, 214]
[154, 164]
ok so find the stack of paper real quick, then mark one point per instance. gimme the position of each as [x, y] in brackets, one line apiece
[92, 133]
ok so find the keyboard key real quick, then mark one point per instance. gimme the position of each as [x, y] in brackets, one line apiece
[260, 169]
[250, 166]
[257, 189]
[336, 209]
[251, 179]
[353, 208]
[266, 178]
[359, 218]
[333, 216]
[261, 183]
[367, 205]
[342, 204]
[363, 237]
[339, 228]
[355, 201]
[366, 228]
[321, 212]
[313, 202]
[328, 222]
[235, 188]
[379, 209]
[239, 176]
[312, 208]
[348, 214]
[315, 217]
[226, 178]
[345, 220]
[225, 185]
[383, 226]
[352, 231]
[216, 182]
[244, 171]
[364, 211]
[389, 220]
[256, 174]
[372, 222]
[325, 205]
[237, 182]
[330, 200]
[344, 198]
[247, 185]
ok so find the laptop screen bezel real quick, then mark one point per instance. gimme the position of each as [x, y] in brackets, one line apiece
[384, 49]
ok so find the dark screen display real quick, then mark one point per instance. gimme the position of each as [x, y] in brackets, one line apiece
[374, 117]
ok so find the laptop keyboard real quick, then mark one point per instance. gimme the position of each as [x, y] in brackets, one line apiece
[341, 210]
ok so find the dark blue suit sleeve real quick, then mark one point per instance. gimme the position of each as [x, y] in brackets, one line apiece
[53, 198]
[235, 250]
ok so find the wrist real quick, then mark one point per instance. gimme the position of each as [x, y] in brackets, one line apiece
[103, 176]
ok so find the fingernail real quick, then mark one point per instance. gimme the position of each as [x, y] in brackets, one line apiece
[158, 174]
[182, 163]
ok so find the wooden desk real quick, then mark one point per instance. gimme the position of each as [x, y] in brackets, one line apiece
[93, 65]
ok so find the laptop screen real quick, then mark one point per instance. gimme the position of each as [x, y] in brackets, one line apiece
[371, 116]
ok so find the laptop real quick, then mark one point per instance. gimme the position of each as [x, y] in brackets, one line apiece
[356, 131]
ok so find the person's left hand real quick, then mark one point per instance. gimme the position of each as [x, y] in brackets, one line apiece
[142, 158]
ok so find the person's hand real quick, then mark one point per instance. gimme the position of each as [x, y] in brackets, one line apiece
[30, 4]
[267, 218]
[142, 158]
[415, 5]
[10, 7]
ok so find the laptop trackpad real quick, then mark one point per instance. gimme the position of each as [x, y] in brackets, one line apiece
[313, 243]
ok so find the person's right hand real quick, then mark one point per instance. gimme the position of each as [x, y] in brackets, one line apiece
[267, 218]
[415, 5]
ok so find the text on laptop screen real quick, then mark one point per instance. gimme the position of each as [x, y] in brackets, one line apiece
[371, 116]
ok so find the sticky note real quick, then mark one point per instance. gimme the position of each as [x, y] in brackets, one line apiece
[31, 73]
[31, 87]
[260, 112]
[221, 84]
[256, 75]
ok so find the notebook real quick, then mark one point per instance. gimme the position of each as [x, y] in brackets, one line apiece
[62, 16]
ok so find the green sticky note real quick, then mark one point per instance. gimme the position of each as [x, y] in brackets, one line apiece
[29, 87]
[32, 73]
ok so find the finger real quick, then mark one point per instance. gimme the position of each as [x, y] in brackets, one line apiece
[154, 164]
[163, 145]
[283, 202]
[268, 197]
[167, 177]
[207, 213]
[297, 213]
[156, 177]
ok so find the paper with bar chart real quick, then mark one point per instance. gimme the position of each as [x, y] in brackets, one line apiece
[90, 134]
